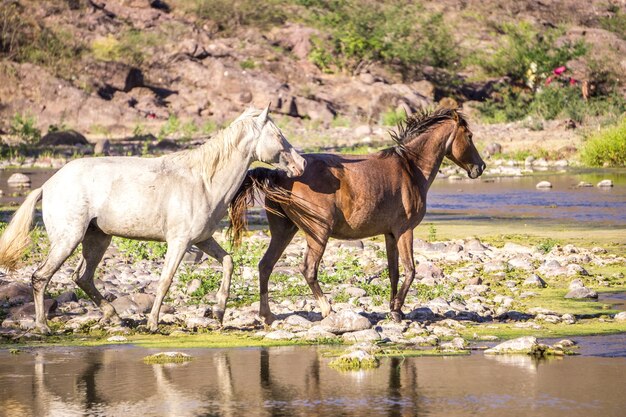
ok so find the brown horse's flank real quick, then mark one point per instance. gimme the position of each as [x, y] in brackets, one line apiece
[353, 197]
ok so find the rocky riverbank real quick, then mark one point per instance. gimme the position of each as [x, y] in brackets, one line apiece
[465, 290]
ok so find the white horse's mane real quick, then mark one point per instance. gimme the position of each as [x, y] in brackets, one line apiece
[215, 151]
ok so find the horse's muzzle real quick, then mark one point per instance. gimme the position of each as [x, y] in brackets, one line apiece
[292, 162]
[476, 170]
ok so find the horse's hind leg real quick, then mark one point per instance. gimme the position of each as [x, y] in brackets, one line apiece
[60, 250]
[391, 245]
[282, 230]
[214, 250]
[312, 257]
[405, 247]
[175, 251]
[95, 243]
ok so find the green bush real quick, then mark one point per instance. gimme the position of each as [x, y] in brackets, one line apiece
[24, 127]
[395, 32]
[229, 14]
[24, 40]
[606, 147]
[527, 55]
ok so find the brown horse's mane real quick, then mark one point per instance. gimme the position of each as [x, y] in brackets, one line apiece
[418, 123]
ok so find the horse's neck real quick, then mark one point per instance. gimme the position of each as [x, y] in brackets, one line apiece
[428, 152]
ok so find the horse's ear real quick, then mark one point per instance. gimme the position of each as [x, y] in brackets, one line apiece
[264, 114]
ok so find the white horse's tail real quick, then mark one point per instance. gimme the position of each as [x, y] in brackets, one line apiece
[16, 237]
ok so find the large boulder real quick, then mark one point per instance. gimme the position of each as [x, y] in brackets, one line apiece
[15, 293]
[345, 321]
[63, 138]
[526, 345]
[581, 293]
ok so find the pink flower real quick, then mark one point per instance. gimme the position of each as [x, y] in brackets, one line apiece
[559, 70]
[548, 80]
[572, 81]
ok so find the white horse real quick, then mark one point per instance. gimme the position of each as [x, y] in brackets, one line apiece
[178, 198]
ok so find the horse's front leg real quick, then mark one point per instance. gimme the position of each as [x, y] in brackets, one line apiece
[175, 252]
[405, 248]
[214, 250]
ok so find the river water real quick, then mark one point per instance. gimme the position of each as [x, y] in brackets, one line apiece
[297, 381]
[506, 198]
[512, 198]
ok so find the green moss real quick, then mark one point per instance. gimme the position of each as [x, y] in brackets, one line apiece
[554, 299]
[509, 331]
[354, 364]
[167, 357]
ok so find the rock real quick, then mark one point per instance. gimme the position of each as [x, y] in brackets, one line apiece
[345, 321]
[201, 323]
[493, 148]
[458, 343]
[421, 314]
[19, 180]
[428, 270]
[63, 138]
[534, 281]
[296, 322]
[543, 185]
[529, 160]
[581, 293]
[620, 316]
[16, 293]
[117, 339]
[316, 333]
[66, 297]
[102, 148]
[568, 318]
[280, 335]
[527, 345]
[356, 292]
[367, 335]
[475, 281]
[193, 285]
[577, 283]
[584, 184]
[521, 263]
[605, 183]
[474, 245]
[363, 130]
[28, 310]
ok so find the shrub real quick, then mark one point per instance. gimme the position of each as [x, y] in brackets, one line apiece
[228, 14]
[24, 127]
[396, 33]
[528, 56]
[606, 147]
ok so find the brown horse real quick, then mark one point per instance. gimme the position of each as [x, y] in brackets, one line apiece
[359, 196]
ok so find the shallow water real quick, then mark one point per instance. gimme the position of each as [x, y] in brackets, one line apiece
[296, 381]
[485, 198]
[517, 198]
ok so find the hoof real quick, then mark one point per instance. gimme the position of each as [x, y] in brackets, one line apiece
[269, 318]
[396, 316]
[218, 314]
[42, 329]
[152, 327]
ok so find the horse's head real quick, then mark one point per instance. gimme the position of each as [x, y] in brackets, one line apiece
[460, 149]
[272, 147]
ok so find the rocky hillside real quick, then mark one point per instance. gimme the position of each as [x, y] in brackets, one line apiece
[180, 68]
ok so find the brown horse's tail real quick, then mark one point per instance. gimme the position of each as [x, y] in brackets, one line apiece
[257, 180]
[16, 237]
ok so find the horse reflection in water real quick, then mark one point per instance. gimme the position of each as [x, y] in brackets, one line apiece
[257, 382]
